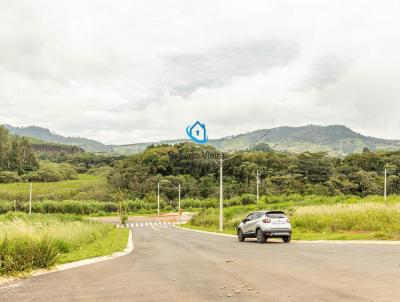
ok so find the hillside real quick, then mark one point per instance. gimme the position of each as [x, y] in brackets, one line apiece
[44, 134]
[334, 139]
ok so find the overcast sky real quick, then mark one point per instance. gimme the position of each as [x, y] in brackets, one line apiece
[136, 71]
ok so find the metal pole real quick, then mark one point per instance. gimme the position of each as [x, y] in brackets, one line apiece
[385, 188]
[158, 198]
[30, 198]
[258, 183]
[221, 197]
[179, 198]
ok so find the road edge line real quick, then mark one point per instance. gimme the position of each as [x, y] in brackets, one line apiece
[360, 242]
[66, 266]
[205, 232]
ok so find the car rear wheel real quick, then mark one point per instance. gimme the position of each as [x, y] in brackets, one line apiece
[261, 237]
[241, 237]
[286, 239]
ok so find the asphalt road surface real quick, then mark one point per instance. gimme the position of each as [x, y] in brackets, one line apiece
[171, 264]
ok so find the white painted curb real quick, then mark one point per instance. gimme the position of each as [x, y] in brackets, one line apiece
[66, 266]
[205, 232]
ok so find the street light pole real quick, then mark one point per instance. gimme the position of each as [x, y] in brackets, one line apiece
[385, 188]
[258, 183]
[30, 198]
[179, 198]
[158, 198]
[221, 197]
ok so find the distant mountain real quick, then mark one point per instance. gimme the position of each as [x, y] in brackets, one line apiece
[45, 135]
[334, 139]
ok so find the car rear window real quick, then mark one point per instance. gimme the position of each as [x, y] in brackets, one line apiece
[275, 215]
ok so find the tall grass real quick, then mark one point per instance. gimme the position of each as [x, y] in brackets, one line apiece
[283, 202]
[368, 217]
[35, 241]
[383, 220]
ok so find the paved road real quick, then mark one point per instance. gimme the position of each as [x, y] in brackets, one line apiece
[170, 264]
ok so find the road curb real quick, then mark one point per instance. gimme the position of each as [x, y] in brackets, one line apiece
[360, 242]
[205, 232]
[62, 267]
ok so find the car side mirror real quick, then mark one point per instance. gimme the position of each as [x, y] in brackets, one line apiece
[245, 220]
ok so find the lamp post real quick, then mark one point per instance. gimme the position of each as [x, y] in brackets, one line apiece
[179, 198]
[158, 198]
[385, 187]
[258, 184]
[221, 196]
[30, 198]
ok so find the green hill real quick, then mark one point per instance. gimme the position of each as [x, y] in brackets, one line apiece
[334, 139]
[46, 135]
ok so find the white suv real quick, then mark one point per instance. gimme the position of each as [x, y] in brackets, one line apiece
[263, 225]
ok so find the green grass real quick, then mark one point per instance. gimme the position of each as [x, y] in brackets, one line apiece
[29, 242]
[114, 241]
[345, 221]
[85, 187]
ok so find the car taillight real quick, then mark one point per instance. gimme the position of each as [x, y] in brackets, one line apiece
[287, 220]
[266, 220]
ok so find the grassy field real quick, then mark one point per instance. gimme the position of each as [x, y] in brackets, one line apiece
[361, 220]
[29, 242]
[85, 187]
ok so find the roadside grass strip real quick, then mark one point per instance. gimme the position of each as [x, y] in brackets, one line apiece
[31, 242]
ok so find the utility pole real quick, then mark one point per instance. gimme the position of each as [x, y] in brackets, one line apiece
[385, 188]
[30, 198]
[158, 198]
[221, 197]
[179, 198]
[258, 184]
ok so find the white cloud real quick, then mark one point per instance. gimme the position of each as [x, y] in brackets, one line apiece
[134, 71]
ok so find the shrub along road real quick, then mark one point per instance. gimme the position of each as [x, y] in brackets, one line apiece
[171, 264]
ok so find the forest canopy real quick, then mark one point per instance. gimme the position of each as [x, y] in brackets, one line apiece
[280, 172]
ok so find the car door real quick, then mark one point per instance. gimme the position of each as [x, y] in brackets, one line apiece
[253, 223]
[246, 225]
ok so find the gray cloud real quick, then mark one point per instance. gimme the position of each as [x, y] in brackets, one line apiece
[134, 71]
[215, 67]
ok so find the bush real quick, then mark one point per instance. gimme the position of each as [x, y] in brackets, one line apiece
[9, 177]
[51, 172]
[246, 199]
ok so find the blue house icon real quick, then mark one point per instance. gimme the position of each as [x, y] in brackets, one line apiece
[197, 132]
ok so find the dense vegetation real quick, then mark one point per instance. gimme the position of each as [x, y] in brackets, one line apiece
[37, 241]
[16, 154]
[26, 159]
[196, 168]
